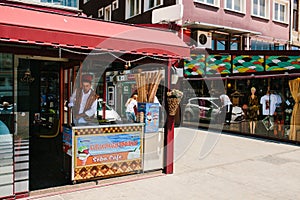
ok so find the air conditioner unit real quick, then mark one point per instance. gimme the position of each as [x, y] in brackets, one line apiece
[204, 39]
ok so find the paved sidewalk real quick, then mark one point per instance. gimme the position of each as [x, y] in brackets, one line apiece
[214, 166]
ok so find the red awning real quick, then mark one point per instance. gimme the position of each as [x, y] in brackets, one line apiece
[44, 28]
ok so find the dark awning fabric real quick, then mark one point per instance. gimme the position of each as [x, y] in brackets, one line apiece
[44, 28]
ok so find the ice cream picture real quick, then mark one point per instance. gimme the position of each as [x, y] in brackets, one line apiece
[134, 154]
[149, 117]
[155, 117]
[83, 154]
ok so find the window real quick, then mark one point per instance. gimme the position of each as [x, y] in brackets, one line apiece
[234, 43]
[221, 45]
[280, 12]
[295, 16]
[149, 4]
[133, 7]
[209, 2]
[235, 5]
[225, 42]
[56, 3]
[115, 5]
[100, 12]
[107, 13]
[295, 21]
[260, 8]
[261, 45]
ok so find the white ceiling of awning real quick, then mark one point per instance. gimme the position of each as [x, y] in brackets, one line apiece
[214, 27]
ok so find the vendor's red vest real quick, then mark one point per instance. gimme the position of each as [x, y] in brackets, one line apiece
[89, 102]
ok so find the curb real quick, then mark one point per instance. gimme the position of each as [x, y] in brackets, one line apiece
[92, 184]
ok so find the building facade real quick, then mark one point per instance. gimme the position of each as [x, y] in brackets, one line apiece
[227, 24]
[221, 34]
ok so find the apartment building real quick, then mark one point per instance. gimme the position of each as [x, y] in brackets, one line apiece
[213, 24]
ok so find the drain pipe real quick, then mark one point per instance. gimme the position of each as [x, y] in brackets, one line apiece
[291, 25]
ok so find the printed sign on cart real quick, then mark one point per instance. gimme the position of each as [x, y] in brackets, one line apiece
[100, 149]
[67, 140]
[151, 119]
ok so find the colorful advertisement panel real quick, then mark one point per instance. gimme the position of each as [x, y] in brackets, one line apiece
[276, 63]
[200, 64]
[248, 63]
[107, 148]
[195, 66]
[103, 151]
[218, 64]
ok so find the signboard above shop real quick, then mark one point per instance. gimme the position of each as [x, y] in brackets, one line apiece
[213, 64]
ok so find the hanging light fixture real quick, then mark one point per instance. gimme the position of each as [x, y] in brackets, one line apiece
[127, 65]
[229, 85]
[27, 78]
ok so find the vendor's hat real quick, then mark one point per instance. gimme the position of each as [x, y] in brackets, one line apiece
[87, 78]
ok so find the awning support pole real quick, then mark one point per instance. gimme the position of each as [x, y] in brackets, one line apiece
[169, 130]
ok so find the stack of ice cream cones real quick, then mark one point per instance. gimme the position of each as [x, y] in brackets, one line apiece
[147, 85]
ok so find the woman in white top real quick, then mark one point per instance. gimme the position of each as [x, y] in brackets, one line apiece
[131, 105]
[226, 107]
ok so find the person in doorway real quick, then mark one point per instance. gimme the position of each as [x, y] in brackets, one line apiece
[131, 106]
[84, 102]
[226, 107]
[253, 110]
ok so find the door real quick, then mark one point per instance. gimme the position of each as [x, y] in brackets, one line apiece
[44, 124]
[39, 105]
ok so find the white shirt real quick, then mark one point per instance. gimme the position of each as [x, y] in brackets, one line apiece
[90, 112]
[268, 104]
[225, 100]
[130, 106]
[278, 100]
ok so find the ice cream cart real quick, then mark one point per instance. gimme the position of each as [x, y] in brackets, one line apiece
[105, 150]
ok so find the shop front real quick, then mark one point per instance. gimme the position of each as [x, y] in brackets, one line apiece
[42, 64]
[263, 87]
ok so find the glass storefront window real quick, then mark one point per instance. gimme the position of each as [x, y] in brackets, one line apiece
[263, 106]
[7, 125]
[271, 116]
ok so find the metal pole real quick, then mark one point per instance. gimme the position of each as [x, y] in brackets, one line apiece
[169, 130]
